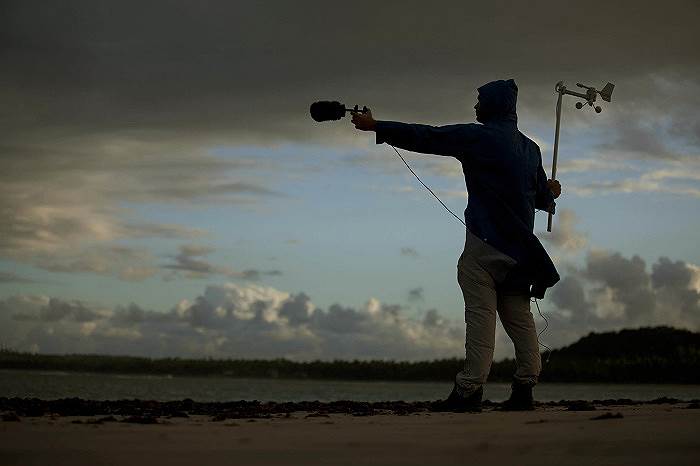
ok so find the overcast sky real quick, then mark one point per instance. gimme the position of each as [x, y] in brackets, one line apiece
[163, 190]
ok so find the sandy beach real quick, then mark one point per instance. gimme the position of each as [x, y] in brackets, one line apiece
[644, 434]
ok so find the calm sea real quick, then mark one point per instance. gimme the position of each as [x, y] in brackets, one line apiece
[52, 385]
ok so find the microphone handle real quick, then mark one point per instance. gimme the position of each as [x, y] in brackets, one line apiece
[355, 109]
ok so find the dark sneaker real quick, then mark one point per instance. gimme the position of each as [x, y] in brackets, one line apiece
[457, 403]
[520, 398]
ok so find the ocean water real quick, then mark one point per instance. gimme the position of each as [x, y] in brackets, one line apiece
[53, 385]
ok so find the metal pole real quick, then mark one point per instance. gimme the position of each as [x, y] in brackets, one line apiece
[556, 148]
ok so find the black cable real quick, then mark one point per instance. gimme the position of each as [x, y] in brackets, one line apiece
[546, 322]
[426, 187]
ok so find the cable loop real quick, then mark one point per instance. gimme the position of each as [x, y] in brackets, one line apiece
[546, 322]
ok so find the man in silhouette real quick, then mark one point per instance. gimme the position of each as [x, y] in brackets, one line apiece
[503, 264]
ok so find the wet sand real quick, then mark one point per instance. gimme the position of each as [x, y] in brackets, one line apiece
[564, 433]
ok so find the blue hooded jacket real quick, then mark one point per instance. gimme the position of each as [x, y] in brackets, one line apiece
[504, 177]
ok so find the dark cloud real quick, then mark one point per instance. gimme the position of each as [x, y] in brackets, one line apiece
[125, 263]
[11, 277]
[189, 262]
[676, 283]
[639, 138]
[297, 309]
[433, 318]
[58, 196]
[612, 291]
[339, 319]
[211, 190]
[409, 252]
[134, 315]
[617, 271]
[252, 69]
[230, 321]
[415, 294]
[668, 274]
[657, 118]
[215, 59]
[57, 309]
[254, 274]
[229, 73]
[569, 294]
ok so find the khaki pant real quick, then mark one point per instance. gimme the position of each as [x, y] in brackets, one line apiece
[480, 269]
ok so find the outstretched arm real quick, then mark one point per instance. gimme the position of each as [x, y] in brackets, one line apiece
[450, 140]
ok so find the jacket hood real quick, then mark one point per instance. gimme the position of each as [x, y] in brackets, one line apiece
[497, 100]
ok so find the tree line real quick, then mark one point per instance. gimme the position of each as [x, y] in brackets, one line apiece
[645, 355]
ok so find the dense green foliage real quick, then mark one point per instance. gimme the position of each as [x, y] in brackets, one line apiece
[652, 355]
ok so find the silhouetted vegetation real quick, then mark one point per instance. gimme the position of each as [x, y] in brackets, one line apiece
[652, 354]
[645, 355]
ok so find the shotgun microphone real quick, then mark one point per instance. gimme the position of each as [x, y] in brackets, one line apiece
[325, 110]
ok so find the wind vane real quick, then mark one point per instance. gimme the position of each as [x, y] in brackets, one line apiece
[590, 96]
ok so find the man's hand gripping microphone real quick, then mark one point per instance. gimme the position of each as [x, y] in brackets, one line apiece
[332, 111]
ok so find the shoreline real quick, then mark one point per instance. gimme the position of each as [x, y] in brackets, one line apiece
[153, 409]
[146, 374]
[655, 432]
[173, 375]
